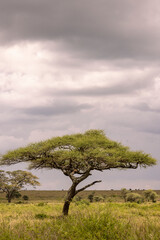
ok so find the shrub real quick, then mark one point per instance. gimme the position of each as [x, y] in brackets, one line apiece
[40, 216]
[41, 204]
[91, 196]
[25, 198]
[78, 198]
[150, 195]
[134, 197]
[124, 193]
[82, 202]
[98, 198]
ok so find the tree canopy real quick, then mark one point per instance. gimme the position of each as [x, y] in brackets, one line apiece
[12, 182]
[77, 155]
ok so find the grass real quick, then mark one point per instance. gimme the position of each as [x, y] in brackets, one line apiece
[112, 221]
[41, 218]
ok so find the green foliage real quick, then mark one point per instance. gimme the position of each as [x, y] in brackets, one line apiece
[98, 199]
[78, 152]
[82, 202]
[134, 197]
[12, 182]
[41, 216]
[124, 193]
[78, 198]
[41, 204]
[150, 195]
[25, 198]
[15, 194]
[91, 196]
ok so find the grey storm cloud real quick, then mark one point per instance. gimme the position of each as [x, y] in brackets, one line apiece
[106, 29]
[123, 88]
[69, 66]
[146, 108]
[56, 109]
[138, 118]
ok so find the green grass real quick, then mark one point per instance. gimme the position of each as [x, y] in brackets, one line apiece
[41, 218]
[112, 221]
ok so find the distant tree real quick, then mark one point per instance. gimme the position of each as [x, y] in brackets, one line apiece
[25, 198]
[91, 196]
[12, 182]
[77, 156]
[134, 197]
[98, 198]
[150, 195]
[15, 194]
[78, 198]
[124, 193]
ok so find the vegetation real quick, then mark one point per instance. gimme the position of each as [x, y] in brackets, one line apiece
[25, 198]
[77, 155]
[150, 195]
[111, 221]
[40, 196]
[12, 182]
[124, 193]
[40, 217]
[134, 197]
[91, 196]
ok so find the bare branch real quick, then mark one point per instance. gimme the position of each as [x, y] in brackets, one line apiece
[81, 189]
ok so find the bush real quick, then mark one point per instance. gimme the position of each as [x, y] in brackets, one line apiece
[82, 202]
[41, 204]
[150, 195]
[25, 198]
[40, 216]
[98, 198]
[91, 196]
[134, 197]
[78, 198]
[124, 193]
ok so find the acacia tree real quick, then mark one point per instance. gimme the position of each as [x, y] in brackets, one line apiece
[12, 182]
[150, 195]
[77, 156]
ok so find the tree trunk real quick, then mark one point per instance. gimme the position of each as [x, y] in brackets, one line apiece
[66, 208]
[9, 199]
[9, 196]
[70, 195]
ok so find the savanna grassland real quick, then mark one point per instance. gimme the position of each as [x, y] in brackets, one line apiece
[109, 219]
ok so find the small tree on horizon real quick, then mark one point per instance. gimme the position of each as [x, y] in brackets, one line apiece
[25, 198]
[124, 193]
[77, 155]
[13, 182]
[150, 195]
[134, 197]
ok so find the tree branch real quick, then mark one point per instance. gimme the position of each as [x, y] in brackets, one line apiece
[81, 189]
[119, 165]
[84, 176]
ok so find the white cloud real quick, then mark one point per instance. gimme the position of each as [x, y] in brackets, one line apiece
[9, 143]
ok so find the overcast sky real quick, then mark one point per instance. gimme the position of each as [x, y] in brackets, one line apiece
[67, 66]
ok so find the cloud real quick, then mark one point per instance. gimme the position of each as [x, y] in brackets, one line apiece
[72, 66]
[146, 108]
[58, 108]
[92, 28]
[10, 143]
[125, 87]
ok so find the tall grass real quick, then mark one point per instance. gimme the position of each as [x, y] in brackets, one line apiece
[103, 221]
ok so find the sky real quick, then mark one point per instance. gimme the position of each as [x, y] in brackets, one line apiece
[69, 66]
